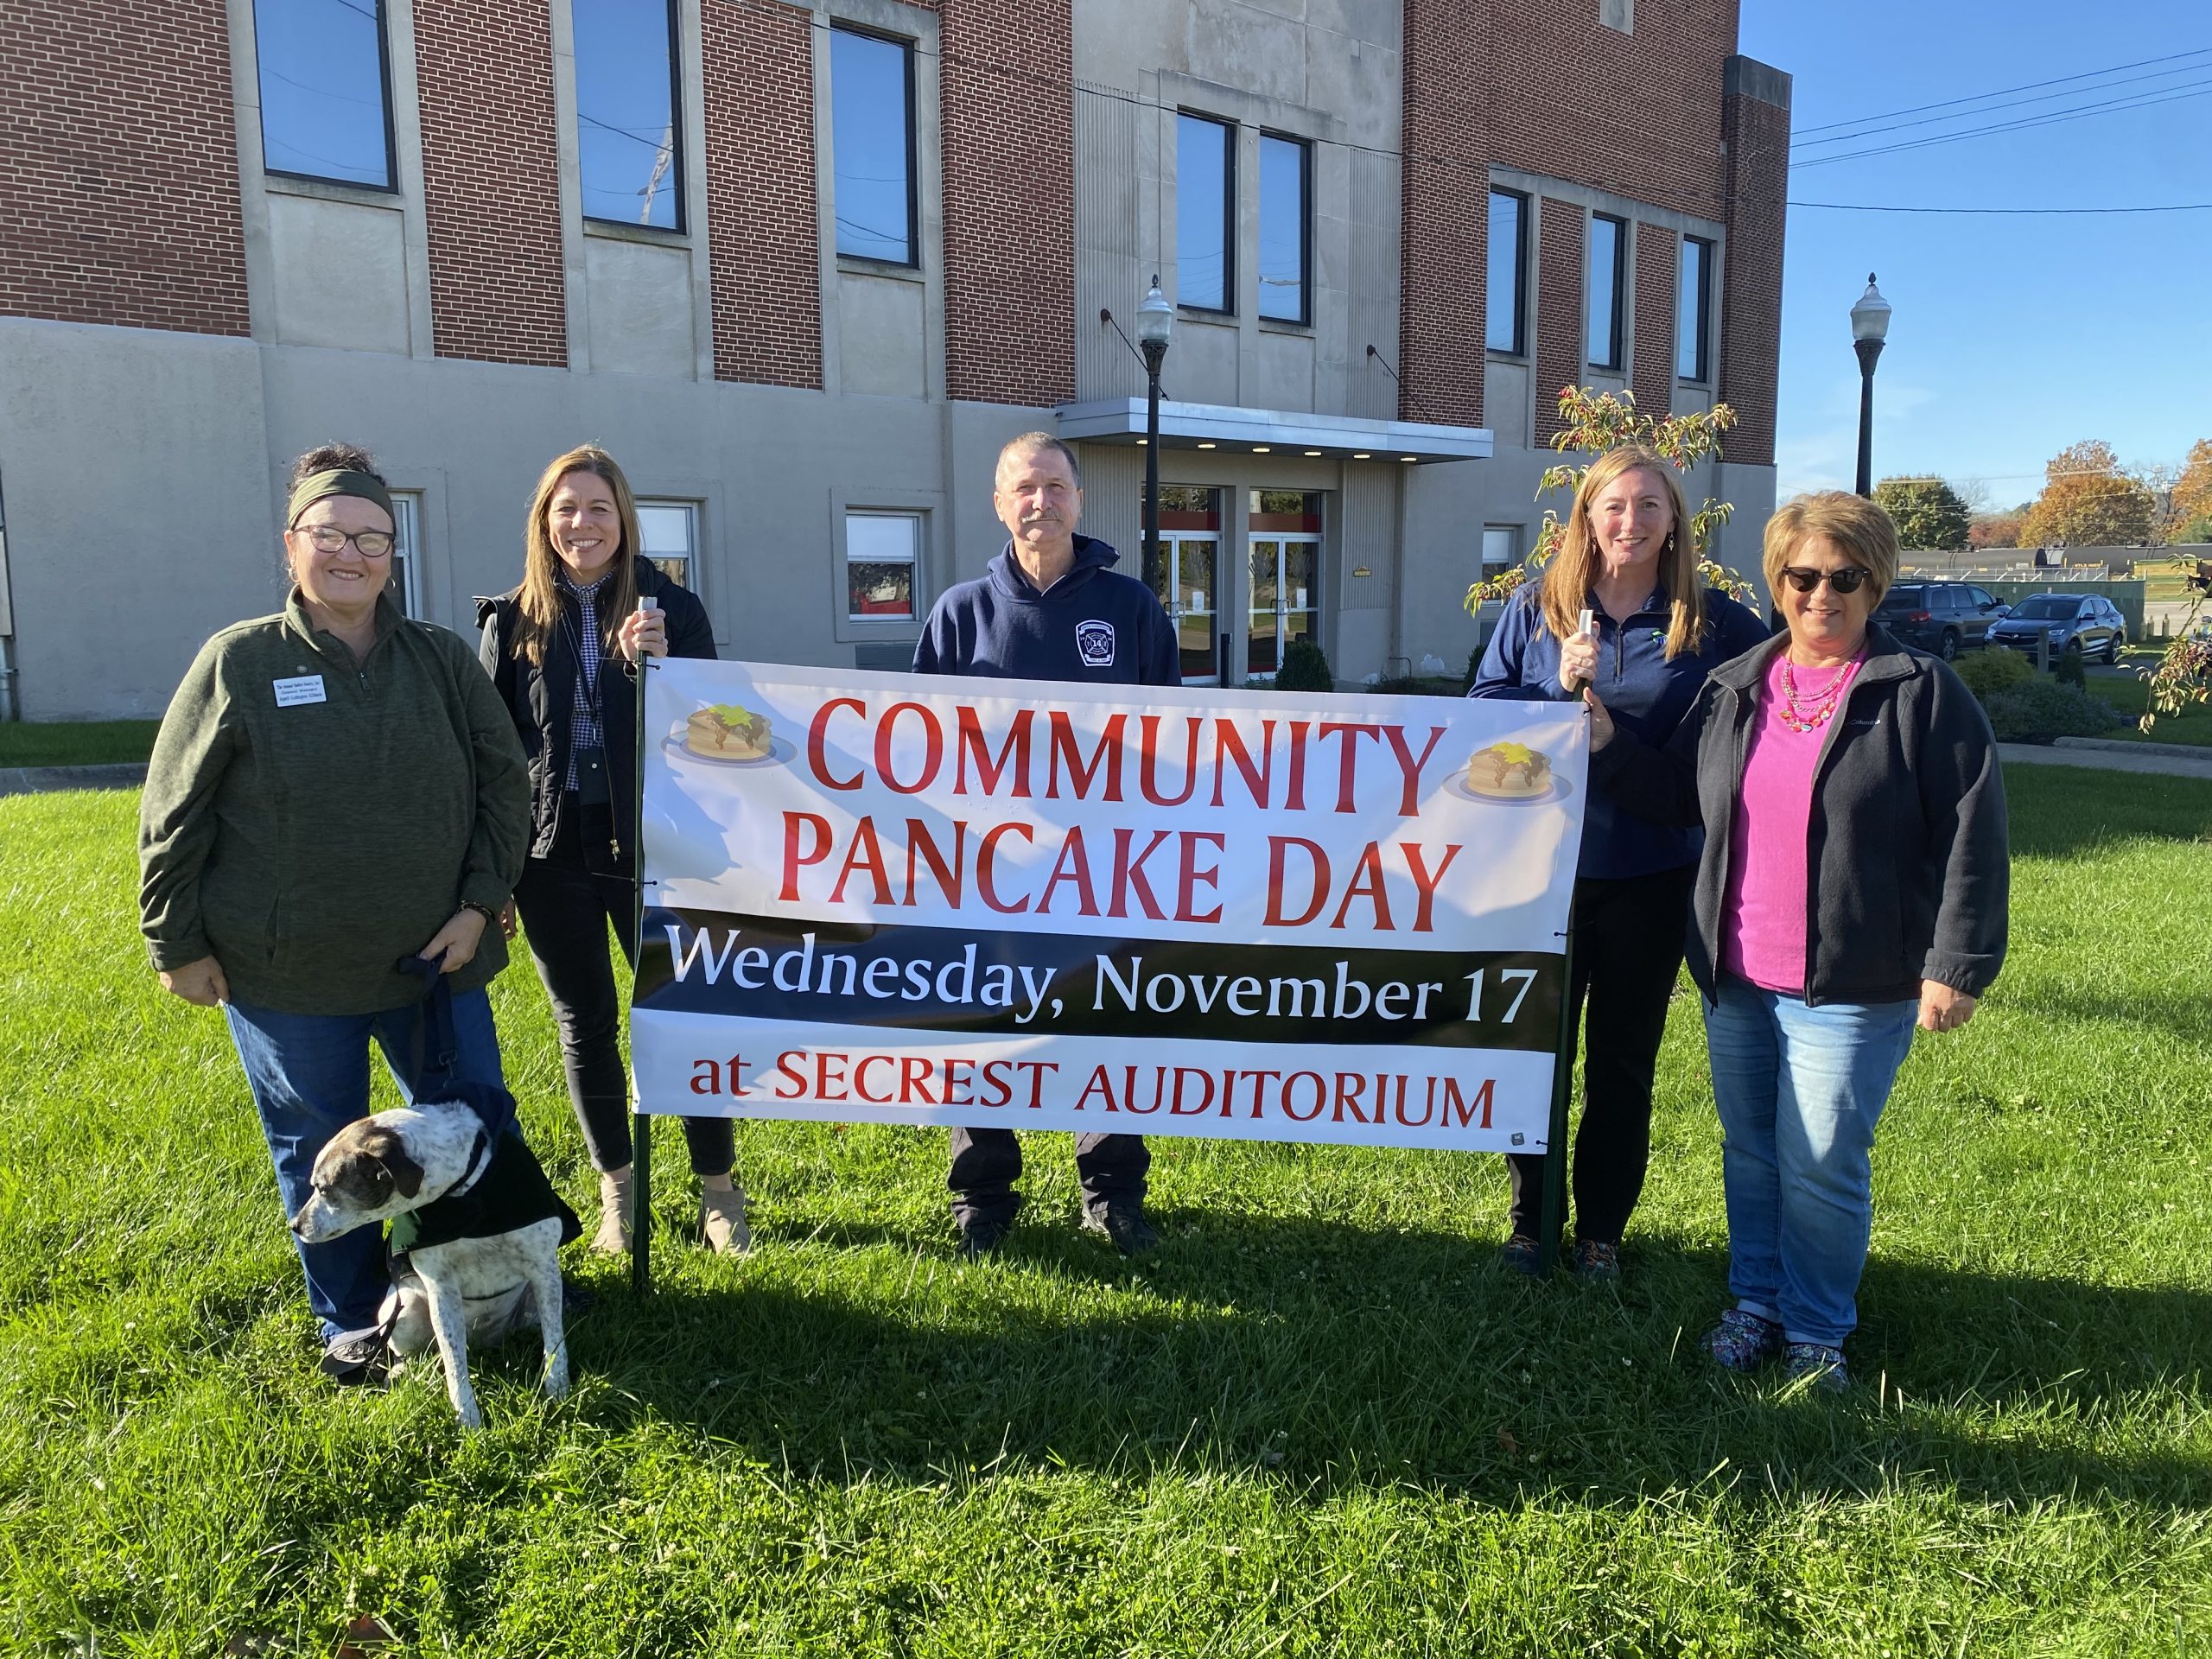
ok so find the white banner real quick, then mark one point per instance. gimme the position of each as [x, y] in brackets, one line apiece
[1254, 914]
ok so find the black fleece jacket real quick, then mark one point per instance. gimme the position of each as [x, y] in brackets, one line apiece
[1907, 859]
[541, 697]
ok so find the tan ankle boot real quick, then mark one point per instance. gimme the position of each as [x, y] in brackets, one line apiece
[612, 1237]
[722, 1221]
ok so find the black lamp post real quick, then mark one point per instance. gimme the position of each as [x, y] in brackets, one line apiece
[1870, 326]
[1155, 318]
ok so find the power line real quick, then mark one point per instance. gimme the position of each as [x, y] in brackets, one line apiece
[2132, 102]
[1878, 207]
[2005, 92]
[1969, 114]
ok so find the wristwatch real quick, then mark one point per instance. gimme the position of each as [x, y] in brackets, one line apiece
[491, 916]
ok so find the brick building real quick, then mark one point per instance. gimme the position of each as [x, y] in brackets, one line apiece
[804, 266]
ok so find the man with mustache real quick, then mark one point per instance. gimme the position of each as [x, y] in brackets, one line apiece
[1049, 608]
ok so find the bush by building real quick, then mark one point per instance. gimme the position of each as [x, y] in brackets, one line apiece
[2039, 709]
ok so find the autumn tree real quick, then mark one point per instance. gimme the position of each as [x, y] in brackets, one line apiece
[1995, 530]
[1930, 516]
[2192, 490]
[2088, 500]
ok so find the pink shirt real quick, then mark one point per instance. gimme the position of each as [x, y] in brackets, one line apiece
[1762, 915]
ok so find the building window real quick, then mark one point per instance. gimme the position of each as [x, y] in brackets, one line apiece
[1189, 586]
[1693, 329]
[405, 582]
[325, 90]
[670, 532]
[1509, 264]
[1284, 531]
[626, 112]
[1205, 213]
[1501, 549]
[872, 145]
[1608, 252]
[1286, 214]
[882, 552]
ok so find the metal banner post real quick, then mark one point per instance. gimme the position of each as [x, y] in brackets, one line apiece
[1555, 1216]
[641, 1128]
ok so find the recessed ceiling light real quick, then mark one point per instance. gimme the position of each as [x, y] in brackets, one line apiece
[1363, 456]
[1262, 449]
[1408, 457]
[1142, 442]
[1208, 444]
[1313, 452]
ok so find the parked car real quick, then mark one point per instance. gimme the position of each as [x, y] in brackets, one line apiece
[2079, 622]
[1941, 618]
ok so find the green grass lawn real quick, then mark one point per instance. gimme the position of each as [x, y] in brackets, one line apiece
[2129, 695]
[1319, 1421]
[75, 743]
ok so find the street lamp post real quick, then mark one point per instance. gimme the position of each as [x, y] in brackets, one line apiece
[1870, 326]
[1154, 317]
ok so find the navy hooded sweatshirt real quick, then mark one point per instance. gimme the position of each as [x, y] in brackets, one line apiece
[1092, 625]
[1644, 693]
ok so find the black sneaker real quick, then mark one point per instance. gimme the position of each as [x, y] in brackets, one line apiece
[359, 1361]
[1124, 1226]
[1596, 1261]
[981, 1235]
[1523, 1254]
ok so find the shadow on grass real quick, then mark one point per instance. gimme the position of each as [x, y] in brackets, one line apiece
[2074, 812]
[2188, 1018]
[1344, 1356]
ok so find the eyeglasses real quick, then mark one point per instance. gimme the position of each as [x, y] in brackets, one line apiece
[328, 538]
[1846, 580]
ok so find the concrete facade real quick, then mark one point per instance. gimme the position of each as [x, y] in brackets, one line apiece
[742, 365]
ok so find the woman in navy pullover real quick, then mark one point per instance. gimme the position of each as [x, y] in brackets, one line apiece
[1629, 558]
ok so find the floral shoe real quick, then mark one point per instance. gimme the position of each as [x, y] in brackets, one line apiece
[1742, 1341]
[1817, 1363]
[1522, 1253]
[1596, 1261]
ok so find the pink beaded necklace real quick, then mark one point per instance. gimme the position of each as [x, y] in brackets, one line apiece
[1814, 711]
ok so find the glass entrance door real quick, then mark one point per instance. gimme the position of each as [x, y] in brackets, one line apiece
[1285, 575]
[1190, 577]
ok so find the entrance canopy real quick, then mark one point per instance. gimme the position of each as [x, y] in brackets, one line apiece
[1267, 431]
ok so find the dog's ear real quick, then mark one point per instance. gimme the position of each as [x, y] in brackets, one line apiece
[390, 1152]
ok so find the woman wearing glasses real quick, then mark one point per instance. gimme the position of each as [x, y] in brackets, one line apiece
[562, 648]
[334, 788]
[1628, 561]
[1853, 885]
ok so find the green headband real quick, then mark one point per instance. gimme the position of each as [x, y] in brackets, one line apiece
[321, 487]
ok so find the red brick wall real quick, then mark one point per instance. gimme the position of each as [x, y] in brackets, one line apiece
[1560, 294]
[118, 167]
[1007, 96]
[484, 77]
[1750, 291]
[762, 207]
[1443, 186]
[1652, 369]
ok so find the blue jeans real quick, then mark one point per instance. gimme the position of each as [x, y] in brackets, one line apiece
[309, 1074]
[1799, 1089]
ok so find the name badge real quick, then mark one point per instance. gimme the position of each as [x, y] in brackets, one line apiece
[307, 688]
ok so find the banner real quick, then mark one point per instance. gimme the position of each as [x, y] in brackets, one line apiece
[1253, 914]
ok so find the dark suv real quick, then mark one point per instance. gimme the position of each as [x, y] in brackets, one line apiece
[1941, 618]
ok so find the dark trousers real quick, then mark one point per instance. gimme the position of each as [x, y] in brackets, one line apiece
[986, 1162]
[1628, 950]
[566, 900]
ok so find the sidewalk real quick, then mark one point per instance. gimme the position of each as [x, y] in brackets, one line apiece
[2112, 755]
[42, 780]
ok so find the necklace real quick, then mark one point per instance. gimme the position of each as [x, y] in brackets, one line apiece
[1813, 711]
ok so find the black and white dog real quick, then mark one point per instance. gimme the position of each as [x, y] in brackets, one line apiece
[476, 1227]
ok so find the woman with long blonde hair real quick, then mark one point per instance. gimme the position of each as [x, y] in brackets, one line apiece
[1629, 560]
[563, 646]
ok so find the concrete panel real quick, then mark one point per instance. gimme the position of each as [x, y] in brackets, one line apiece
[1286, 363]
[339, 272]
[189, 546]
[1202, 363]
[1253, 51]
[1507, 410]
[881, 336]
[1359, 83]
[640, 309]
[1113, 500]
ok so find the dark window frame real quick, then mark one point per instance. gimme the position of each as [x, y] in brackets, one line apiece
[909, 48]
[390, 187]
[1521, 202]
[1229, 131]
[683, 226]
[1305, 148]
[1702, 360]
[1618, 362]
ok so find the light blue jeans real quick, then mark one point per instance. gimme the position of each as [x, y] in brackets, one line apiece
[1799, 1089]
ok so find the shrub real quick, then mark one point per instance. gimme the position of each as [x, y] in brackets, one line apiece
[1304, 668]
[2069, 668]
[2038, 710]
[1997, 669]
[1474, 667]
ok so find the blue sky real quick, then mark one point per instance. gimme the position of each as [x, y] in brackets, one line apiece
[2012, 337]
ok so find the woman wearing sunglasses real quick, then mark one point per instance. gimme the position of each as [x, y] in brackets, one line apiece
[334, 787]
[1628, 562]
[1853, 885]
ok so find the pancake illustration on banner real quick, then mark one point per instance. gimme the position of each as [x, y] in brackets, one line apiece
[1509, 772]
[727, 731]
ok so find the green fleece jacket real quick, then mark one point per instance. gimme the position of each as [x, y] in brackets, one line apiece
[308, 820]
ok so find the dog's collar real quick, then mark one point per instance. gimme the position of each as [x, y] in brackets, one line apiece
[479, 1159]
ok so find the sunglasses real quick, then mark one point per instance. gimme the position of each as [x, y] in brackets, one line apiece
[1846, 580]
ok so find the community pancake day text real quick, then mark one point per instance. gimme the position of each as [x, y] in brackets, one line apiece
[1253, 914]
